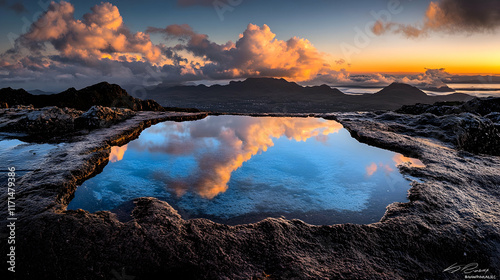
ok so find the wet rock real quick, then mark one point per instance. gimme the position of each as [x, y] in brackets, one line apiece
[452, 217]
[478, 106]
[494, 117]
[100, 117]
[471, 126]
[482, 106]
[48, 120]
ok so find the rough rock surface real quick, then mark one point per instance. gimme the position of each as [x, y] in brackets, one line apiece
[473, 126]
[39, 124]
[99, 117]
[478, 106]
[451, 218]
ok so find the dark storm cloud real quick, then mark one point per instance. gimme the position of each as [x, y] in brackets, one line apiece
[451, 16]
[17, 7]
[186, 3]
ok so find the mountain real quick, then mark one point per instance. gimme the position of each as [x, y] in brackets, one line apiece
[279, 95]
[398, 94]
[104, 94]
[253, 95]
[39, 92]
[443, 88]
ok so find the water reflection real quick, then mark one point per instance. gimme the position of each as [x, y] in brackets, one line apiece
[117, 153]
[237, 169]
[221, 145]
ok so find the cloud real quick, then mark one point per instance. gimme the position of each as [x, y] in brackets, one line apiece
[256, 53]
[220, 146]
[100, 34]
[399, 159]
[450, 16]
[371, 169]
[117, 153]
[430, 78]
[17, 7]
[61, 50]
[186, 3]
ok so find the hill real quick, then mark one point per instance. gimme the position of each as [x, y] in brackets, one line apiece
[103, 94]
[278, 95]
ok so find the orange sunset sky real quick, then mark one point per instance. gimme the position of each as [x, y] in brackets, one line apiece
[53, 45]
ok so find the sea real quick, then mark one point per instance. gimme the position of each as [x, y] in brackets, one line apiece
[478, 90]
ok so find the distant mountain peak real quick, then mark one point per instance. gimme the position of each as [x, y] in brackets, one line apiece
[264, 82]
[401, 90]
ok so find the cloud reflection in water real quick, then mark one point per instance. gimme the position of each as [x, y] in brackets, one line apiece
[221, 145]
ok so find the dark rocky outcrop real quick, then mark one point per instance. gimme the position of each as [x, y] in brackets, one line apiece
[100, 117]
[48, 120]
[478, 106]
[451, 217]
[41, 124]
[472, 126]
[103, 94]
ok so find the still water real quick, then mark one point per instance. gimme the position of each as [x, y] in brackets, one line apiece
[240, 169]
[23, 157]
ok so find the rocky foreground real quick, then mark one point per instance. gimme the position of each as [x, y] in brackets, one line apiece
[452, 217]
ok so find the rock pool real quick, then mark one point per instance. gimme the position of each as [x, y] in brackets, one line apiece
[241, 169]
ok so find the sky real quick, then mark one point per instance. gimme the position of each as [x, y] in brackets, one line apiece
[60, 44]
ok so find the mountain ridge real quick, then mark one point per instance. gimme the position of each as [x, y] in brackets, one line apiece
[103, 94]
[278, 95]
[253, 95]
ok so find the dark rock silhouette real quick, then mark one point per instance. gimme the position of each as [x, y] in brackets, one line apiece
[268, 95]
[99, 117]
[103, 94]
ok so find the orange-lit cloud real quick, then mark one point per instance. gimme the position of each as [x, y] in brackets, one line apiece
[256, 53]
[449, 16]
[99, 34]
[371, 169]
[117, 153]
[239, 140]
[413, 162]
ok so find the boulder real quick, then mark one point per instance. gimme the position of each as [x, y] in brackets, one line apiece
[99, 117]
[48, 120]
